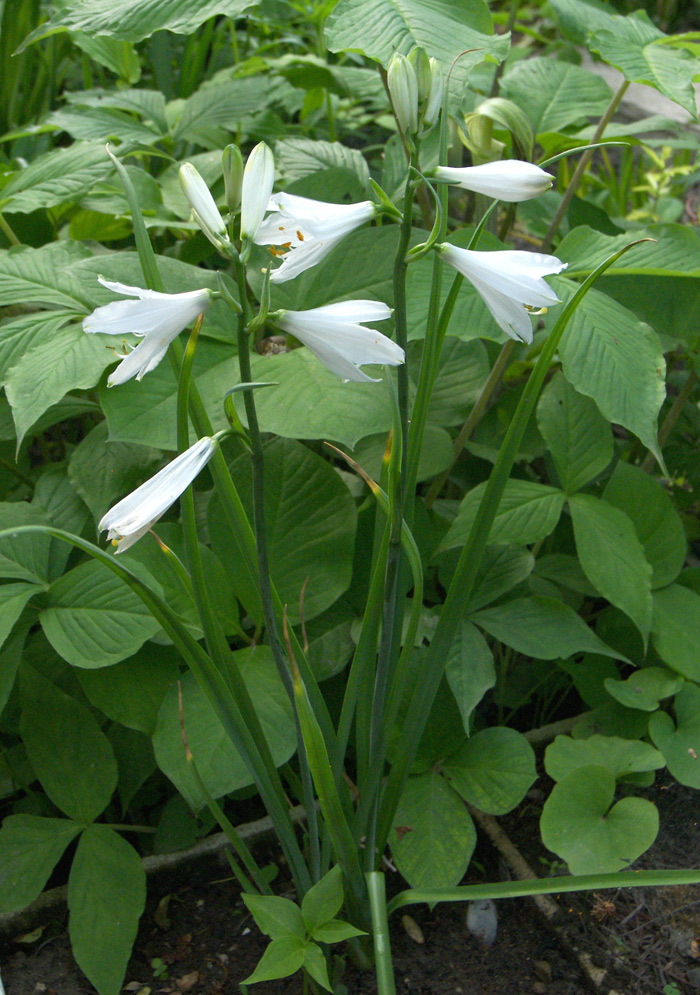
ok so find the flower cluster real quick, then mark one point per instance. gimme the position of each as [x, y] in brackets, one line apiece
[302, 232]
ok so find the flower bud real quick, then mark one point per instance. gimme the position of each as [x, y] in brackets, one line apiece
[403, 90]
[258, 180]
[232, 161]
[433, 100]
[204, 208]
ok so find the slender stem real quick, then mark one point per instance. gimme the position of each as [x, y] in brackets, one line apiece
[672, 417]
[278, 653]
[546, 886]
[470, 558]
[475, 416]
[392, 619]
[582, 166]
[16, 472]
[7, 231]
[380, 933]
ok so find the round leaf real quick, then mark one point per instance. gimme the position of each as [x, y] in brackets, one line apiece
[680, 744]
[493, 770]
[619, 756]
[645, 688]
[580, 823]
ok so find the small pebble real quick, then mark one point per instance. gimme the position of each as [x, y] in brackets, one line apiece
[482, 920]
[539, 988]
[543, 970]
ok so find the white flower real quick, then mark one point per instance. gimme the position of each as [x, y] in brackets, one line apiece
[507, 281]
[309, 228]
[258, 180]
[204, 208]
[156, 318]
[510, 179]
[335, 336]
[135, 515]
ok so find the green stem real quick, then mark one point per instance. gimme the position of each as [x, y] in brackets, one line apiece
[672, 417]
[475, 416]
[278, 653]
[470, 559]
[550, 886]
[7, 231]
[16, 472]
[380, 933]
[582, 166]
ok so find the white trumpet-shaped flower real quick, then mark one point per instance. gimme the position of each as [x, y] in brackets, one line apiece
[510, 179]
[309, 229]
[203, 205]
[507, 281]
[258, 180]
[135, 515]
[334, 335]
[155, 318]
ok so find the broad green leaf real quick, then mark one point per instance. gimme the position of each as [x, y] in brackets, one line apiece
[315, 965]
[502, 568]
[324, 900]
[312, 403]
[645, 689]
[656, 521]
[106, 896]
[57, 496]
[220, 103]
[589, 674]
[275, 917]
[335, 931]
[102, 124]
[378, 28]
[43, 276]
[282, 957]
[121, 58]
[493, 770]
[578, 437]
[135, 20]
[70, 754]
[675, 252]
[103, 471]
[131, 692]
[470, 670]
[45, 373]
[555, 94]
[61, 176]
[433, 836]
[619, 756]
[310, 519]
[25, 332]
[24, 557]
[218, 763]
[612, 557]
[13, 600]
[134, 753]
[542, 628]
[298, 157]
[609, 355]
[93, 619]
[30, 848]
[580, 826]
[462, 372]
[680, 743]
[564, 570]
[527, 512]
[147, 104]
[144, 413]
[676, 629]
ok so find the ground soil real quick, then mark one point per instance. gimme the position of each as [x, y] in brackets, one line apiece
[202, 940]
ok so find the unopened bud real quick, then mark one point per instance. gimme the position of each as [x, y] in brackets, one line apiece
[403, 90]
[203, 205]
[232, 162]
[433, 100]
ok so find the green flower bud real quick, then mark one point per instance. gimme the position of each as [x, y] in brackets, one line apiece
[233, 176]
[403, 90]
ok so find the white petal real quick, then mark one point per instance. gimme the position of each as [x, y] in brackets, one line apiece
[203, 204]
[135, 514]
[157, 314]
[508, 314]
[141, 360]
[510, 179]
[258, 180]
[517, 274]
[123, 288]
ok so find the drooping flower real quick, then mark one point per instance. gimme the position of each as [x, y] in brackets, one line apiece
[507, 281]
[155, 318]
[258, 181]
[335, 335]
[309, 229]
[135, 515]
[509, 179]
[203, 205]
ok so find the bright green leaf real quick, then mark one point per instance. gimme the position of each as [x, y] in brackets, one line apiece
[493, 770]
[30, 848]
[275, 916]
[644, 689]
[282, 957]
[619, 756]
[324, 900]
[676, 629]
[470, 670]
[680, 744]
[528, 512]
